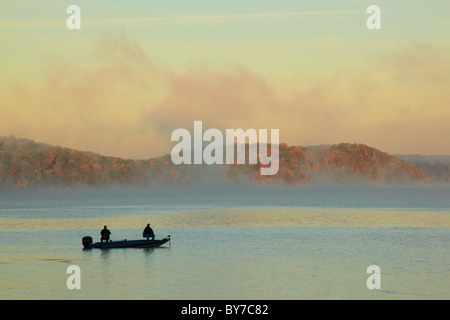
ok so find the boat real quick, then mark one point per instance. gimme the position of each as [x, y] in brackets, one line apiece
[143, 243]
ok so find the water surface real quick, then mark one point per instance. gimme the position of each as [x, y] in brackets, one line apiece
[252, 244]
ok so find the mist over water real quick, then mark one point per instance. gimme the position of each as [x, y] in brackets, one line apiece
[31, 201]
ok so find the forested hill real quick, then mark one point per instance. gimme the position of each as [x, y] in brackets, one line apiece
[437, 168]
[26, 163]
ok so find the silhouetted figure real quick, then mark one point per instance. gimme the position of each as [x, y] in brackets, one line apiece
[148, 232]
[105, 234]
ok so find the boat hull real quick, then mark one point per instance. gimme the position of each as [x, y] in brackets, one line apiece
[144, 243]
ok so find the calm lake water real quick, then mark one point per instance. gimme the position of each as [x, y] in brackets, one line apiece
[229, 243]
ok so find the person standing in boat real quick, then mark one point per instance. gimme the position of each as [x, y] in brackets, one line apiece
[148, 232]
[105, 233]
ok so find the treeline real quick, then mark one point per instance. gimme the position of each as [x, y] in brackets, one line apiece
[436, 168]
[26, 163]
[337, 163]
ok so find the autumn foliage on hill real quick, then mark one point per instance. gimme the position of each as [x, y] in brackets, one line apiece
[337, 163]
[25, 163]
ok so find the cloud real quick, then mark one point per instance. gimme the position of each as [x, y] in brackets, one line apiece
[118, 102]
[117, 47]
[240, 98]
[236, 97]
[95, 106]
[420, 61]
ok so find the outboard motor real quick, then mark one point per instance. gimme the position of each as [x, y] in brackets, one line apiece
[87, 242]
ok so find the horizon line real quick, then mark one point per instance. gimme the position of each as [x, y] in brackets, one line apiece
[224, 145]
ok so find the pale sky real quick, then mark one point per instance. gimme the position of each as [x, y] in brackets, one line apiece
[137, 70]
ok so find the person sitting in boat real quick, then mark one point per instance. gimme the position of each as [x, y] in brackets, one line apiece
[148, 232]
[105, 234]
